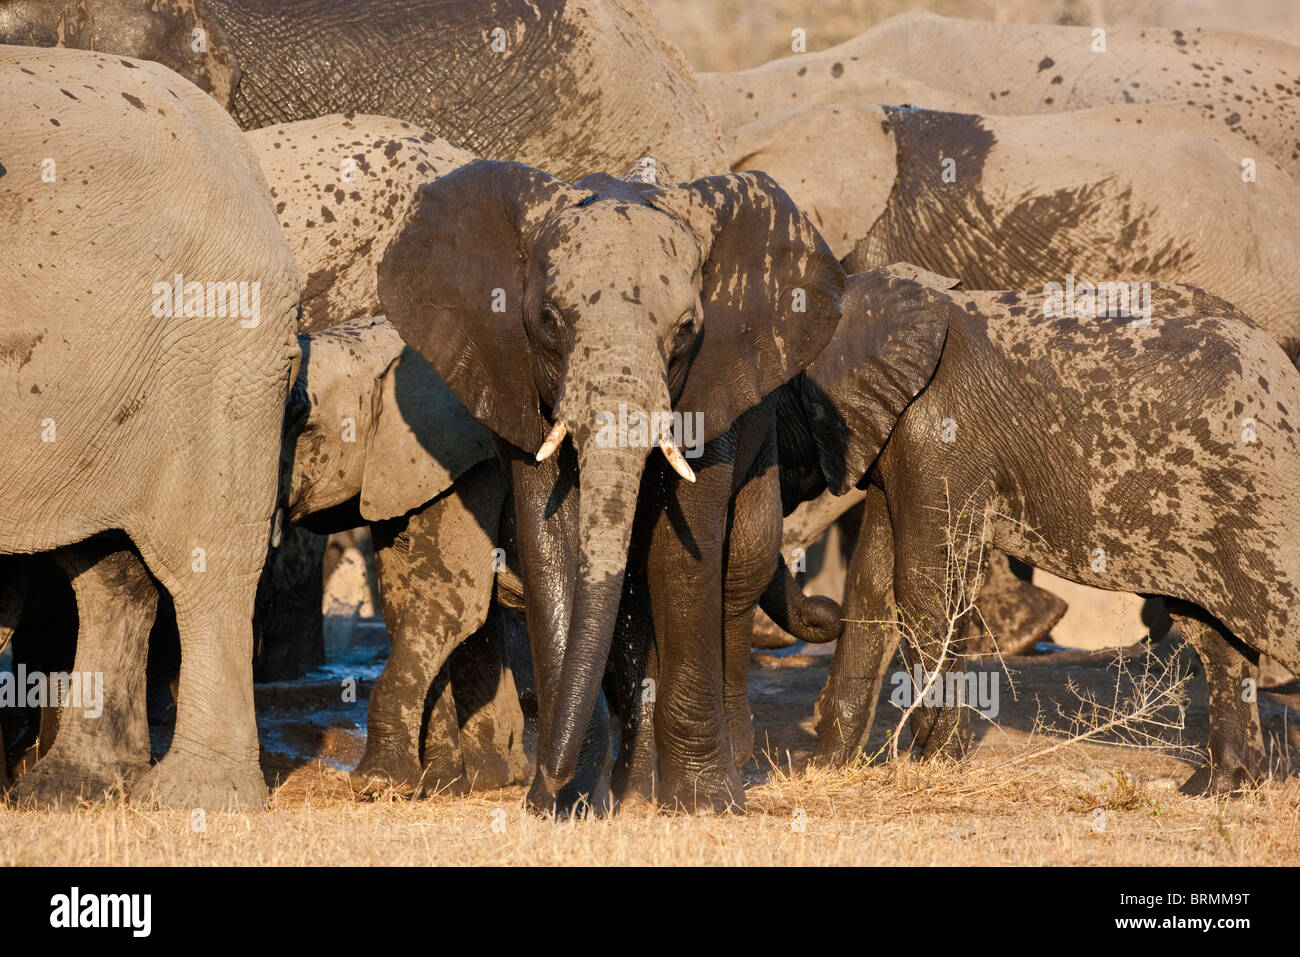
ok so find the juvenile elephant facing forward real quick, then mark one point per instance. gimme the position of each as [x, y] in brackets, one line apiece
[573, 308]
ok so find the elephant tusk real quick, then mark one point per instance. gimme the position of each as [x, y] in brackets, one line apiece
[558, 431]
[674, 456]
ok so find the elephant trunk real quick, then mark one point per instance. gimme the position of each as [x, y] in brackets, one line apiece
[611, 460]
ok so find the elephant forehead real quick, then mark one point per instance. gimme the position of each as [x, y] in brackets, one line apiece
[613, 251]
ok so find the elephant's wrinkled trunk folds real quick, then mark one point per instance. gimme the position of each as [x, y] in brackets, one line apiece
[610, 465]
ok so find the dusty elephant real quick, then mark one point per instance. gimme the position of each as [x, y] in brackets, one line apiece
[169, 443]
[1242, 83]
[571, 85]
[373, 436]
[1013, 202]
[1187, 486]
[1002, 203]
[340, 185]
[404, 459]
[701, 316]
[558, 84]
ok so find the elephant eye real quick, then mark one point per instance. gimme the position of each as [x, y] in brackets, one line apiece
[685, 333]
[550, 317]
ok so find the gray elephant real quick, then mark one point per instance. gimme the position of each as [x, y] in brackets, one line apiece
[558, 83]
[373, 436]
[1002, 203]
[1244, 84]
[580, 311]
[146, 384]
[405, 461]
[1087, 446]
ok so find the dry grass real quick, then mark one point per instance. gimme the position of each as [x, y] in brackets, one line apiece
[1045, 812]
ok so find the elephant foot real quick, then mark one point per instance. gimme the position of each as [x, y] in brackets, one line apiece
[540, 800]
[184, 780]
[940, 732]
[704, 793]
[834, 752]
[55, 782]
[571, 802]
[382, 773]
[487, 772]
[1221, 779]
[839, 733]
[636, 801]
[740, 731]
[444, 785]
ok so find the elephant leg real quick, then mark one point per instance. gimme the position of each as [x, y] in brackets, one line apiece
[288, 624]
[846, 706]
[442, 763]
[635, 680]
[213, 759]
[1236, 757]
[435, 584]
[751, 564]
[14, 576]
[103, 738]
[487, 707]
[932, 587]
[686, 577]
[45, 641]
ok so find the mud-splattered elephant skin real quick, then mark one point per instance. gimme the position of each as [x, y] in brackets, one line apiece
[624, 299]
[1151, 457]
[1013, 202]
[562, 84]
[376, 437]
[1242, 83]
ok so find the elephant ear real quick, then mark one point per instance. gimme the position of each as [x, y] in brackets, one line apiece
[770, 291]
[883, 354]
[422, 440]
[452, 283]
[905, 270]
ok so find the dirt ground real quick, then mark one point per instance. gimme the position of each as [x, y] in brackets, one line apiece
[1009, 803]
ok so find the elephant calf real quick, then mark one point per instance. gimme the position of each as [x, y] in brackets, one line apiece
[374, 436]
[1153, 454]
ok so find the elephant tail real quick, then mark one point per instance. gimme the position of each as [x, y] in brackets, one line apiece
[812, 618]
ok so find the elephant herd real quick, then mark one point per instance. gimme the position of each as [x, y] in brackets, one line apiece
[572, 330]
